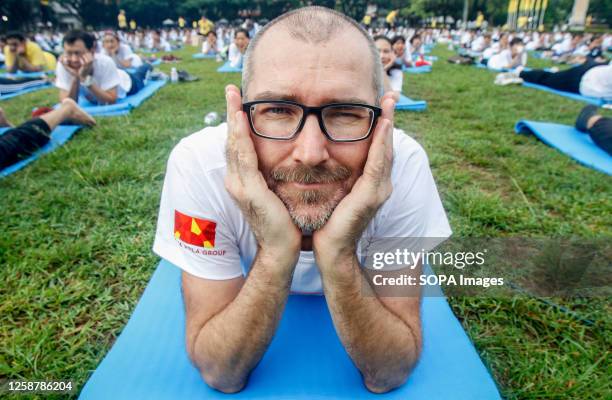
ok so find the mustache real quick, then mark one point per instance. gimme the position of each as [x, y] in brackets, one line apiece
[308, 175]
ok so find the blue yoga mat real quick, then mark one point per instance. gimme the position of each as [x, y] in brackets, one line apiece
[228, 68]
[153, 63]
[573, 96]
[417, 70]
[304, 361]
[125, 105]
[21, 74]
[570, 141]
[203, 56]
[24, 91]
[59, 136]
[482, 66]
[407, 104]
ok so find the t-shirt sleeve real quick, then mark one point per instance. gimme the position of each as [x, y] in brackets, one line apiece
[107, 74]
[396, 80]
[63, 79]
[9, 58]
[234, 56]
[193, 231]
[36, 56]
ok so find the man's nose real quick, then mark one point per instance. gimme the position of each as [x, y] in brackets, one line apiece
[311, 144]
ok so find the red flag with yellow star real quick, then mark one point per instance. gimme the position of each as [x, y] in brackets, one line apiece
[194, 231]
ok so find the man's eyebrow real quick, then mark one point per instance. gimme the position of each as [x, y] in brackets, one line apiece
[269, 95]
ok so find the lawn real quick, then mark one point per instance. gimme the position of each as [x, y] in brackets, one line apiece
[77, 226]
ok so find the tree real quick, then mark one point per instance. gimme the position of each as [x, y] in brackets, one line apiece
[20, 14]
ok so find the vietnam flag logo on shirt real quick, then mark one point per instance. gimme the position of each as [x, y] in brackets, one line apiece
[194, 231]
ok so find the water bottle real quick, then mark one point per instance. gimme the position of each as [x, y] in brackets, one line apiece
[173, 75]
[211, 118]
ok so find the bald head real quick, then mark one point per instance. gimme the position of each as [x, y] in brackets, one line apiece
[315, 27]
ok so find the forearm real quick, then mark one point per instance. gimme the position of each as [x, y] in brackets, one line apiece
[382, 345]
[102, 96]
[230, 344]
[27, 66]
[127, 63]
[73, 91]
[11, 67]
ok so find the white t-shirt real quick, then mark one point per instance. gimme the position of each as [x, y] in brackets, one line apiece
[194, 187]
[503, 60]
[235, 56]
[396, 79]
[105, 75]
[207, 49]
[597, 82]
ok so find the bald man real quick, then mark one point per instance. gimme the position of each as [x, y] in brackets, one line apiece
[276, 201]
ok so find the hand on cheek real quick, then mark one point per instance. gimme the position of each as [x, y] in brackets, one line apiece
[339, 236]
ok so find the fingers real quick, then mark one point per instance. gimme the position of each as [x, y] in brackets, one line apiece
[234, 104]
[247, 158]
[240, 151]
[388, 107]
[380, 155]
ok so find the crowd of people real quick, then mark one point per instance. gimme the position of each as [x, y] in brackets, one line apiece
[104, 66]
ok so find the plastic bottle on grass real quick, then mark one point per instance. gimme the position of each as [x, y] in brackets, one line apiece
[212, 118]
[173, 75]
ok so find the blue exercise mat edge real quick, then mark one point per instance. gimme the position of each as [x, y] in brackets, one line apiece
[407, 104]
[570, 142]
[417, 70]
[573, 96]
[439, 374]
[125, 105]
[202, 56]
[25, 91]
[226, 67]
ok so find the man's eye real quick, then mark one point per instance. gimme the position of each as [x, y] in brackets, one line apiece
[279, 111]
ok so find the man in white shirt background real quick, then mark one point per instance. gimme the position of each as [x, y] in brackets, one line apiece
[83, 72]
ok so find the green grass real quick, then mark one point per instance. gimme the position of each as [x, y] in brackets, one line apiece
[77, 226]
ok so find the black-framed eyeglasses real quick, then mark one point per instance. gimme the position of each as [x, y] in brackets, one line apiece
[283, 120]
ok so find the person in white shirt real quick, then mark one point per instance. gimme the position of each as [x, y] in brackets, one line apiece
[598, 127]
[511, 58]
[82, 72]
[394, 77]
[403, 57]
[121, 53]
[157, 43]
[415, 47]
[277, 200]
[591, 79]
[211, 45]
[238, 48]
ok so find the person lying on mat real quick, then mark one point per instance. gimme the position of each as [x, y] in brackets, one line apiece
[277, 199]
[597, 126]
[238, 48]
[591, 79]
[158, 43]
[393, 77]
[22, 141]
[94, 76]
[211, 45]
[122, 54]
[415, 48]
[22, 54]
[513, 57]
[403, 57]
[589, 51]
